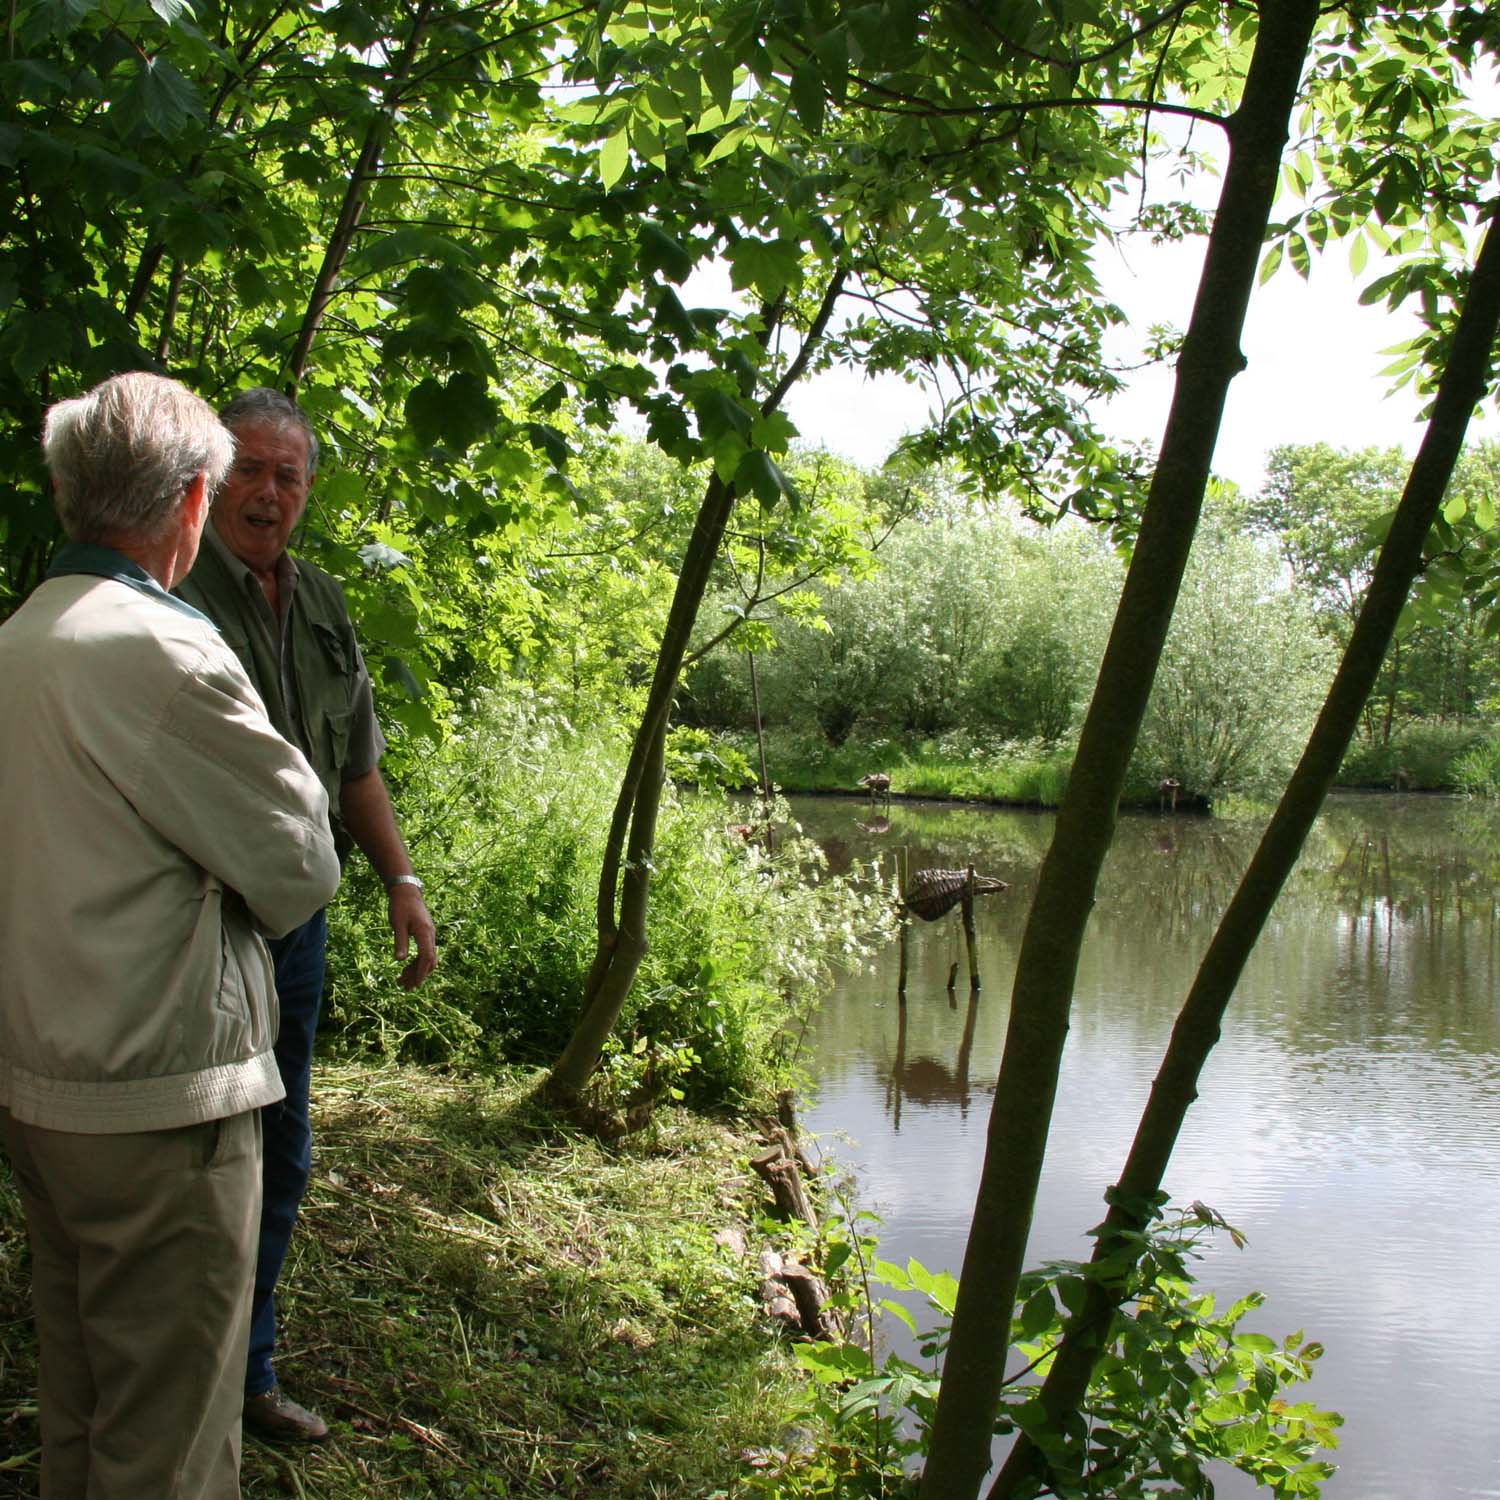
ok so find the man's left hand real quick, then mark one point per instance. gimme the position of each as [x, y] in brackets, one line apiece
[411, 922]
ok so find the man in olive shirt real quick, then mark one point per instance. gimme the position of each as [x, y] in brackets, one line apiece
[287, 622]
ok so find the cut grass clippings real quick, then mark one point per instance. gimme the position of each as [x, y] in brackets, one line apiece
[482, 1303]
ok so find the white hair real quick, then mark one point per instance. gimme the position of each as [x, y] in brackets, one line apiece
[122, 455]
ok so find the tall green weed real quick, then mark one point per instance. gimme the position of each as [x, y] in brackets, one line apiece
[507, 824]
[1477, 769]
[1421, 755]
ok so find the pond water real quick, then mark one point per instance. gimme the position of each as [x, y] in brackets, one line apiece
[1348, 1123]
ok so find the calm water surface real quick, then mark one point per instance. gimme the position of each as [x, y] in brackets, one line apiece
[1349, 1121]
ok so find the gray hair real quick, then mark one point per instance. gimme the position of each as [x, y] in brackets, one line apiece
[263, 404]
[122, 454]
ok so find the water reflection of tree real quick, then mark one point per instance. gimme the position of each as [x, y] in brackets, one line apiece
[1423, 859]
[1392, 907]
[1171, 877]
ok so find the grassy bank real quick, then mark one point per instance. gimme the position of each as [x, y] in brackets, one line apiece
[1418, 756]
[1024, 773]
[485, 1305]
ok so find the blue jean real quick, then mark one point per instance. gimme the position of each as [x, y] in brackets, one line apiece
[286, 1131]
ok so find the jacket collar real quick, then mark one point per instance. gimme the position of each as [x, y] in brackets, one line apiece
[105, 562]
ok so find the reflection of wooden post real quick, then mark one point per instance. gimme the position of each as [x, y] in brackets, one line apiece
[898, 1071]
[969, 935]
[902, 874]
[965, 1051]
[952, 980]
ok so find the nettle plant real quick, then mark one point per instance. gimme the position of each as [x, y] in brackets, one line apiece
[1179, 1386]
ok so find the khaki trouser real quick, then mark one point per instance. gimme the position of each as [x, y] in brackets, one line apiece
[143, 1250]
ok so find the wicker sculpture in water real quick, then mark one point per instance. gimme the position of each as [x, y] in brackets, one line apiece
[934, 893]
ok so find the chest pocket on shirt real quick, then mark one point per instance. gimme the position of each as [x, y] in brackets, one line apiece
[335, 692]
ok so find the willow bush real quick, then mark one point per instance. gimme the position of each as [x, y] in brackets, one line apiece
[506, 823]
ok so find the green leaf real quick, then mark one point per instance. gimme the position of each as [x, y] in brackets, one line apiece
[760, 475]
[458, 413]
[172, 11]
[64, 16]
[614, 157]
[729, 143]
[1038, 1313]
[1269, 265]
[250, 285]
[903, 1314]
[550, 399]
[672, 318]
[662, 252]
[398, 669]
[718, 73]
[770, 266]
[837, 1254]
[440, 293]
[718, 413]
[1300, 255]
[552, 442]
[1455, 510]
[159, 98]
[32, 341]
[807, 95]
[831, 1364]
[940, 1288]
[832, 48]
[1359, 255]
[1388, 196]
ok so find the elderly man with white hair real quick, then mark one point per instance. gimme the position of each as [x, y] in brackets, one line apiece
[158, 829]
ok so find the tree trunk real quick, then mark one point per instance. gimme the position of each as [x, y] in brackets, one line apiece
[959, 1452]
[622, 945]
[351, 210]
[1197, 1029]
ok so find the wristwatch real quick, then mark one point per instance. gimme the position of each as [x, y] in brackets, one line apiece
[396, 880]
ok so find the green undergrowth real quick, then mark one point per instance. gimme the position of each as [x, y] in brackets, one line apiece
[507, 823]
[484, 1304]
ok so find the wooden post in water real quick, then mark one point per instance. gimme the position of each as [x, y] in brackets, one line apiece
[970, 937]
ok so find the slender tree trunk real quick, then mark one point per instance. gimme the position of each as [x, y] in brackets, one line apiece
[619, 951]
[1196, 1032]
[351, 210]
[959, 1451]
[621, 945]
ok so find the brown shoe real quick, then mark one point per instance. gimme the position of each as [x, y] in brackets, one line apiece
[276, 1418]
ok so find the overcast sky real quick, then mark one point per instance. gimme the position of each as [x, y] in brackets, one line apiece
[1314, 357]
[1313, 374]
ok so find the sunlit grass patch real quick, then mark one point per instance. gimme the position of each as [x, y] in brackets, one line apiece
[483, 1304]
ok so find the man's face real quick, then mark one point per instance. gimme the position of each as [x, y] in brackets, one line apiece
[259, 504]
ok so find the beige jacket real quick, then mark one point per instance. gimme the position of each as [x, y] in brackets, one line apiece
[153, 820]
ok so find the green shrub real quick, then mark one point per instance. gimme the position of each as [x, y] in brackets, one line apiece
[507, 823]
[1421, 755]
[1178, 1385]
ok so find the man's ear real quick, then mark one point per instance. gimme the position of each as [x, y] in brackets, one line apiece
[195, 502]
